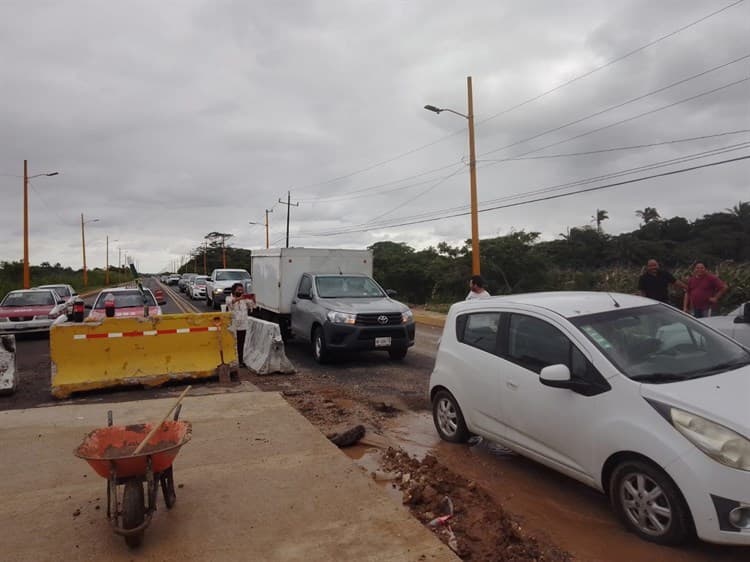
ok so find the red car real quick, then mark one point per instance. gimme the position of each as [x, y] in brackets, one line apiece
[127, 302]
[29, 310]
[160, 297]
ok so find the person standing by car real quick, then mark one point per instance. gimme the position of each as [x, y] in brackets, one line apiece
[477, 290]
[239, 305]
[655, 282]
[703, 291]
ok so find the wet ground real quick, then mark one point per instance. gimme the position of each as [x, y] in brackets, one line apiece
[390, 399]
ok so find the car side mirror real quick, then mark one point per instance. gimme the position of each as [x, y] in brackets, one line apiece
[744, 317]
[391, 293]
[304, 296]
[554, 375]
[74, 295]
[61, 301]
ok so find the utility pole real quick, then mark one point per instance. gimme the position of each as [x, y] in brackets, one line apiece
[26, 272]
[267, 241]
[223, 252]
[289, 205]
[473, 180]
[205, 250]
[106, 271]
[83, 246]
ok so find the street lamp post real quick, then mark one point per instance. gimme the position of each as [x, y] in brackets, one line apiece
[83, 246]
[472, 173]
[26, 178]
[265, 224]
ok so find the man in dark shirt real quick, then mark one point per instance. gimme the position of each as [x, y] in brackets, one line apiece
[655, 283]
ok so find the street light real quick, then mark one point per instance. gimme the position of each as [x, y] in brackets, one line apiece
[106, 274]
[26, 178]
[83, 245]
[266, 225]
[472, 173]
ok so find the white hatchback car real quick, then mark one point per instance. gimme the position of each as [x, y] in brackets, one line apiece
[627, 395]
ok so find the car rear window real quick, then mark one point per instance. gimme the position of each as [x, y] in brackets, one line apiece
[479, 330]
[125, 299]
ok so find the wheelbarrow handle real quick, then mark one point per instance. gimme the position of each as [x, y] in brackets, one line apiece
[157, 426]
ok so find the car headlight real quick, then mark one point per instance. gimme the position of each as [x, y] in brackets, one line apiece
[721, 444]
[218, 291]
[406, 316]
[341, 317]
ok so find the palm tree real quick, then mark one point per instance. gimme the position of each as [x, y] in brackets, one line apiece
[648, 214]
[600, 216]
[740, 211]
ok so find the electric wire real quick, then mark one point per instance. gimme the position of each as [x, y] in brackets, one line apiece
[556, 196]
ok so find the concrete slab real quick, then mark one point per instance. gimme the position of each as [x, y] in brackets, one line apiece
[259, 483]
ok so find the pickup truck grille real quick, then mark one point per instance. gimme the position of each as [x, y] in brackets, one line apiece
[395, 333]
[393, 319]
[21, 318]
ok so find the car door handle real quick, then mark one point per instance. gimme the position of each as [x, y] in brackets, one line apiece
[511, 385]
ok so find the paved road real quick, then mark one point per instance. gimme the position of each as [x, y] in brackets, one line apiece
[574, 516]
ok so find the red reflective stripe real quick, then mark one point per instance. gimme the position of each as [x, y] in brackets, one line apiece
[131, 334]
[199, 329]
[96, 336]
[136, 334]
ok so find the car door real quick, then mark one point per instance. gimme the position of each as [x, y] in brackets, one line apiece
[302, 308]
[477, 359]
[553, 425]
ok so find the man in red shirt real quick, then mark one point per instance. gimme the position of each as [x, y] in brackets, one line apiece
[703, 291]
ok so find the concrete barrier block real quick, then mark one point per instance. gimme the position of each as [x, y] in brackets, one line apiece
[264, 349]
[8, 374]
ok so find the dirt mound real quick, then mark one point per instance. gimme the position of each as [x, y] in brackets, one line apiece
[477, 529]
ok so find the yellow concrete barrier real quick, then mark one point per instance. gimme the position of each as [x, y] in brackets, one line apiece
[145, 351]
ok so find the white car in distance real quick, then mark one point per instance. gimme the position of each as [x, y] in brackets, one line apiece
[622, 393]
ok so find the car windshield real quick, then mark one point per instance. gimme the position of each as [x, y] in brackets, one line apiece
[61, 290]
[343, 286]
[125, 299]
[29, 298]
[232, 275]
[200, 280]
[656, 343]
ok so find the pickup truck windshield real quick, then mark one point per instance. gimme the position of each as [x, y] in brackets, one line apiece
[657, 344]
[232, 275]
[347, 287]
[29, 298]
[126, 299]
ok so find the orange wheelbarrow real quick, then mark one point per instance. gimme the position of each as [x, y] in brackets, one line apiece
[111, 453]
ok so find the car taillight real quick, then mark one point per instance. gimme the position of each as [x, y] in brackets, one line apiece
[78, 310]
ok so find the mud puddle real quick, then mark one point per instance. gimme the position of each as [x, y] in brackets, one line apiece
[559, 509]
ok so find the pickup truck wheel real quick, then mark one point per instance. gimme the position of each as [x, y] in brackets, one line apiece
[398, 353]
[320, 353]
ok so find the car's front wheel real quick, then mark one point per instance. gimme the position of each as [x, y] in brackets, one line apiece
[649, 503]
[448, 418]
[320, 352]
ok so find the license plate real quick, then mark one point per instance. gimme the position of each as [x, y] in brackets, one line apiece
[382, 342]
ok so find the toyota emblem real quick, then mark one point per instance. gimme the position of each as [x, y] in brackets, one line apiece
[382, 319]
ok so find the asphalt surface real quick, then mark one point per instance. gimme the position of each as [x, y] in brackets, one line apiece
[572, 515]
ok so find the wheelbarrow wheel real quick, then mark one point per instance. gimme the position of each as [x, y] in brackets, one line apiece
[133, 511]
[167, 488]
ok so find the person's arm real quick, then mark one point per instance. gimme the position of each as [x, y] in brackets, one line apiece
[722, 289]
[686, 301]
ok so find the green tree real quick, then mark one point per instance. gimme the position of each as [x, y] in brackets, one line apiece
[648, 215]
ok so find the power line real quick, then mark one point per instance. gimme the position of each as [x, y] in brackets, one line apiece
[619, 148]
[418, 195]
[557, 196]
[557, 187]
[633, 118]
[525, 102]
[619, 105]
[611, 62]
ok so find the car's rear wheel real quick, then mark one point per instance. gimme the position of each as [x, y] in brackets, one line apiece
[448, 418]
[649, 503]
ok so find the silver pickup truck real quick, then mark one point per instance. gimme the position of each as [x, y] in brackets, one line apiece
[349, 312]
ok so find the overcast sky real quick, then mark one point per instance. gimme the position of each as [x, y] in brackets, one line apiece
[168, 120]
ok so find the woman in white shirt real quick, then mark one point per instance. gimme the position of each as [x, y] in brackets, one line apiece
[240, 305]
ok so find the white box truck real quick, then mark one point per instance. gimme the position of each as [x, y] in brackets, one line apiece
[328, 297]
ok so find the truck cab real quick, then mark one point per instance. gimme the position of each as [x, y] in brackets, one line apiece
[349, 312]
[219, 285]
